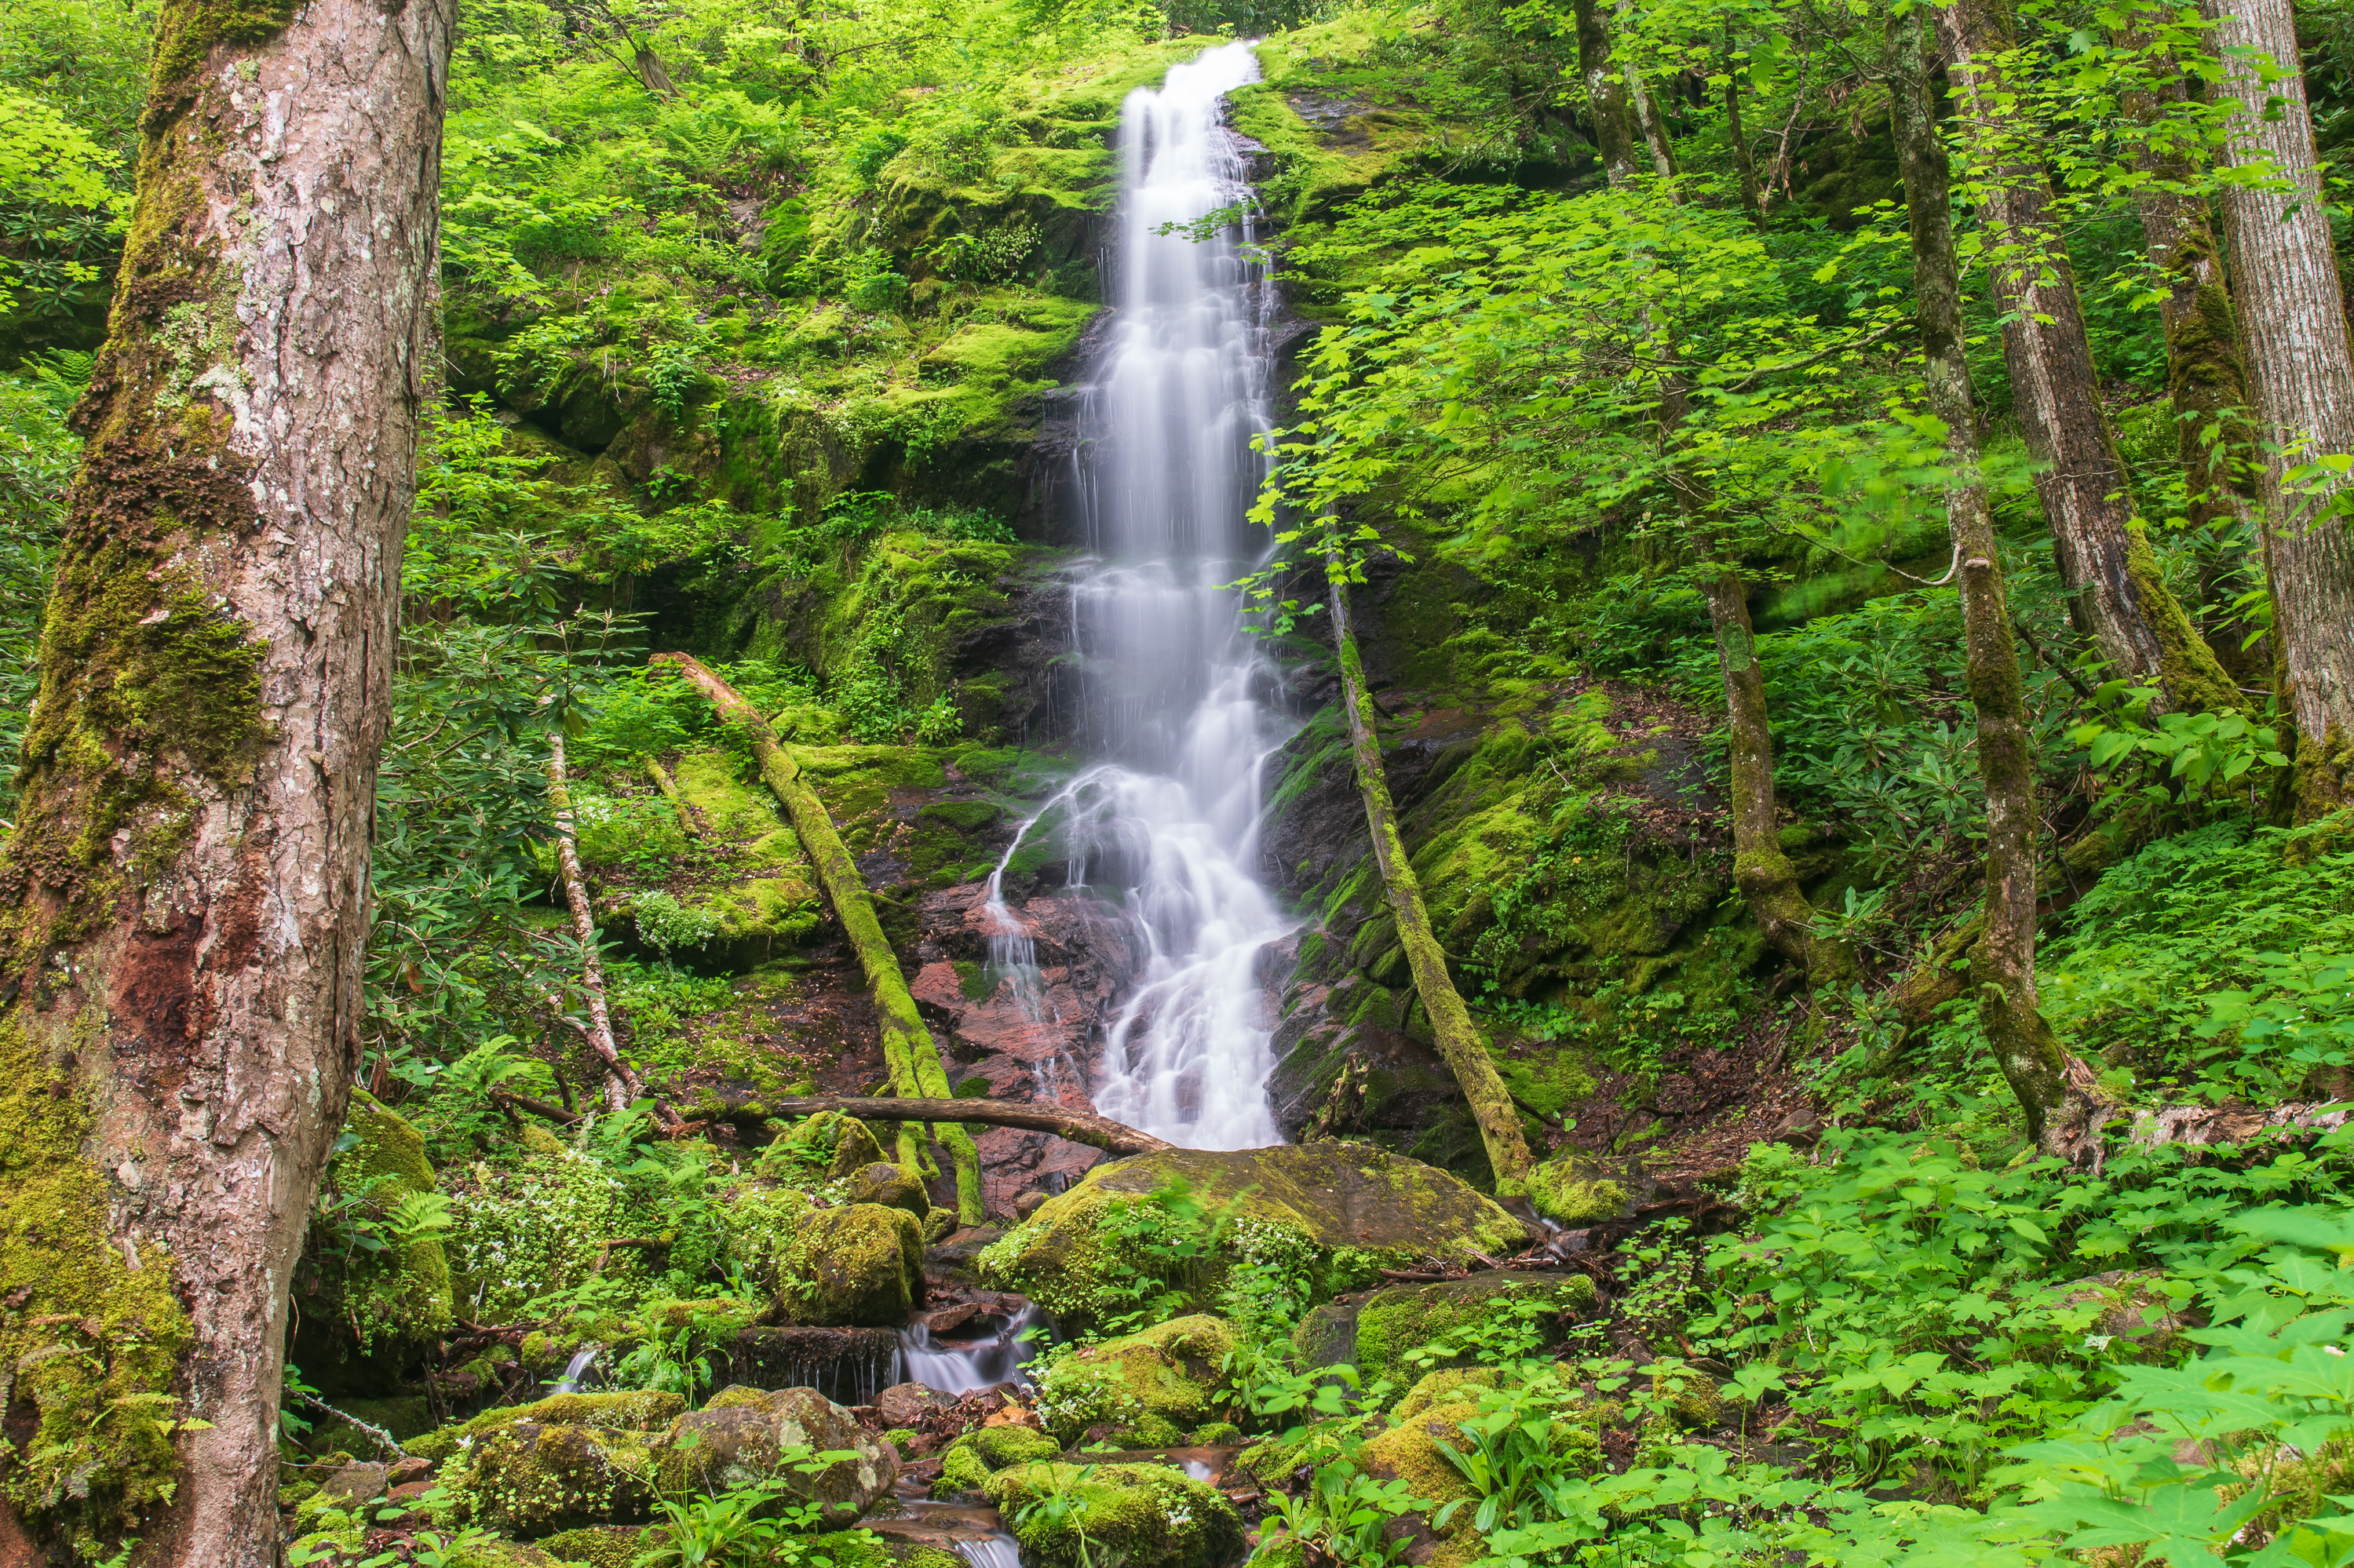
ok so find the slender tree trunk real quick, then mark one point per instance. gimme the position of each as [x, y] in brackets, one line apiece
[1753, 198]
[1648, 120]
[914, 1060]
[2300, 369]
[2002, 960]
[621, 1084]
[183, 904]
[1763, 873]
[1605, 93]
[652, 73]
[1459, 1042]
[2121, 603]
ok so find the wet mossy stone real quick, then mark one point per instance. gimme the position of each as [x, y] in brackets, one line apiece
[760, 1219]
[530, 1480]
[1432, 1413]
[1151, 1385]
[631, 1410]
[1404, 1317]
[600, 1546]
[1153, 1516]
[1356, 1207]
[854, 1148]
[746, 1436]
[970, 1460]
[1571, 1191]
[862, 1264]
[888, 1185]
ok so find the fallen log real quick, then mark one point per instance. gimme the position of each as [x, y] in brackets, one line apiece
[622, 1084]
[1114, 1137]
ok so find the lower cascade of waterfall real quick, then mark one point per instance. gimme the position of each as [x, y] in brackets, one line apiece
[960, 1364]
[1177, 708]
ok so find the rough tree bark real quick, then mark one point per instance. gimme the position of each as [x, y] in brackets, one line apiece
[2120, 602]
[621, 1084]
[2002, 958]
[1605, 93]
[2205, 379]
[183, 904]
[2301, 372]
[908, 1048]
[1459, 1043]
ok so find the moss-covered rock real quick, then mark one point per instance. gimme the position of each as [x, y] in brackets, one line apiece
[760, 1219]
[891, 1187]
[528, 1479]
[1432, 1413]
[1452, 1315]
[367, 1315]
[1570, 1192]
[599, 1546]
[630, 1410]
[862, 1264]
[1149, 1387]
[747, 1435]
[1354, 1208]
[967, 1462]
[1153, 1515]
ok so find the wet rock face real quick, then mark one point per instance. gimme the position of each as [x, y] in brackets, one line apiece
[862, 1264]
[1036, 1047]
[745, 1436]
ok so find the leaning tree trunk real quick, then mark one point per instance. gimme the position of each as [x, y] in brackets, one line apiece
[908, 1049]
[621, 1084]
[2002, 960]
[2120, 602]
[185, 894]
[1459, 1043]
[2294, 325]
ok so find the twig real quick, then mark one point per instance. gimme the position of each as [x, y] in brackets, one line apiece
[385, 1439]
[621, 1084]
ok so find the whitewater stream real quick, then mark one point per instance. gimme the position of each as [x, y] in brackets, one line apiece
[1168, 814]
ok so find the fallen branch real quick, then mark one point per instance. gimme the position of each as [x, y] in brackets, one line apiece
[1114, 1137]
[556, 1114]
[385, 1439]
[627, 1244]
[621, 1084]
[668, 787]
[908, 1047]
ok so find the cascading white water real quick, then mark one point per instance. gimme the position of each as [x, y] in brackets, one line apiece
[1167, 475]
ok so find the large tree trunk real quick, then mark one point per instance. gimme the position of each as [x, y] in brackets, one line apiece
[185, 893]
[621, 1084]
[2121, 603]
[908, 1048]
[1605, 93]
[2002, 960]
[2294, 324]
[1459, 1042]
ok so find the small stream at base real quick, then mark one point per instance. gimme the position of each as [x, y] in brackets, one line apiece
[958, 1366]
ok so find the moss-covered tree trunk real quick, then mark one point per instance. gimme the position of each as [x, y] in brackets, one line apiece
[2120, 601]
[914, 1061]
[2284, 272]
[2002, 958]
[183, 901]
[621, 1084]
[1605, 92]
[1459, 1042]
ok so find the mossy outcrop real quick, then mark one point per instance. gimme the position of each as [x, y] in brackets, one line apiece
[1153, 1515]
[890, 1187]
[1151, 1388]
[746, 1436]
[1450, 1316]
[972, 1459]
[366, 1314]
[1570, 1192]
[1354, 1207]
[761, 1219]
[862, 1264]
[530, 1479]
[634, 1409]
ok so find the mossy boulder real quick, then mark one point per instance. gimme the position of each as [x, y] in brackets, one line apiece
[747, 1435]
[631, 1410]
[599, 1546]
[1354, 1208]
[972, 1459]
[528, 1479]
[862, 1264]
[366, 1315]
[1149, 1387]
[1570, 1192]
[888, 1185]
[1151, 1515]
[1432, 1413]
[1452, 1315]
[760, 1219]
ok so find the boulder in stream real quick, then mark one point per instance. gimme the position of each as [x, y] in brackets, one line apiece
[862, 1264]
[1153, 1516]
[1354, 1208]
[1144, 1391]
[746, 1435]
[886, 1183]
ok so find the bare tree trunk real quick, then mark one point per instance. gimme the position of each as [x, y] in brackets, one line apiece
[621, 1084]
[1648, 122]
[1459, 1042]
[2120, 602]
[1753, 198]
[2294, 324]
[186, 895]
[1605, 93]
[1116, 1138]
[908, 1048]
[1760, 869]
[2003, 959]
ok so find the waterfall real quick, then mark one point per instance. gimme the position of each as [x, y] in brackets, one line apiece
[1168, 814]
